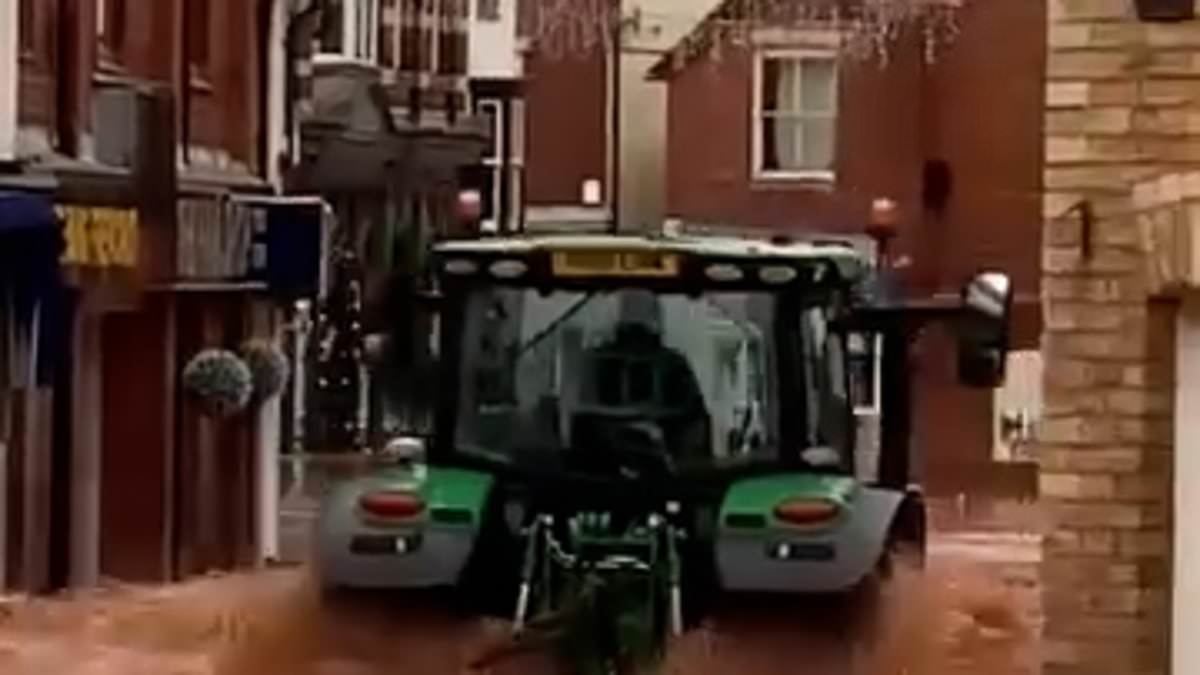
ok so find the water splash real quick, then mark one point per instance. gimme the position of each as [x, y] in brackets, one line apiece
[960, 616]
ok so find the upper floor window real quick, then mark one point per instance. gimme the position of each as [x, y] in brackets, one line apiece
[487, 10]
[795, 115]
[865, 352]
[427, 36]
[504, 164]
[350, 29]
[110, 30]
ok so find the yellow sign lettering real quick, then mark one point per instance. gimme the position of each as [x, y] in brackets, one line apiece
[99, 236]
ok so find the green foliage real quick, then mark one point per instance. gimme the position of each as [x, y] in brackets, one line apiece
[220, 381]
[268, 368]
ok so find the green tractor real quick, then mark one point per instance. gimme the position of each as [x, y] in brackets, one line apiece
[626, 430]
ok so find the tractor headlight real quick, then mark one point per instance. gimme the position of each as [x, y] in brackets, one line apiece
[720, 272]
[508, 269]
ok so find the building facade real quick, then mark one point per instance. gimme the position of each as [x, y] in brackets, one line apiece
[145, 127]
[595, 127]
[1118, 445]
[786, 137]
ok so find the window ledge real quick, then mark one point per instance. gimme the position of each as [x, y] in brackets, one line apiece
[817, 180]
[109, 70]
[200, 84]
[113, 75]
[339, 59]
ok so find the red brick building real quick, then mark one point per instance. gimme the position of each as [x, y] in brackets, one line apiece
[140, 122]
[567, 93]
[784, 137]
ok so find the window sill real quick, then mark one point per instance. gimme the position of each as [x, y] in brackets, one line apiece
[201, 85]
[111, 74]
[339, 59]
[788, 180]
[108, 70]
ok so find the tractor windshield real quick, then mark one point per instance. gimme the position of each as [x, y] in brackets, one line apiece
[570, 370]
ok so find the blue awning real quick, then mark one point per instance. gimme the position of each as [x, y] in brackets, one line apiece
[31, 243]
[25, 212]
[31, 292]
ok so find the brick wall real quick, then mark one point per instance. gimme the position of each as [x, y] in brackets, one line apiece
[566, 126]
[1122, 100]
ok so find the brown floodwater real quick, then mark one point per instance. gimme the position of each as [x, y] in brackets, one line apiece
[973, 611]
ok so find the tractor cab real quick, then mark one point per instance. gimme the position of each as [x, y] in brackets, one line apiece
[686, 356]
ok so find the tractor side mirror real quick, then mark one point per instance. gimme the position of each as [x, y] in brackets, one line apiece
[983, 339]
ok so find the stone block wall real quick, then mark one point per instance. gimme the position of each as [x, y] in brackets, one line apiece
[1122, 109]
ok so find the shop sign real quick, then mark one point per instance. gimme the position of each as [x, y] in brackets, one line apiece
[215, 239]
[99, 236]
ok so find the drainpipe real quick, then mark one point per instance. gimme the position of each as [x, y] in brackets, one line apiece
[614, 172]
[10, 39]
[185, 85]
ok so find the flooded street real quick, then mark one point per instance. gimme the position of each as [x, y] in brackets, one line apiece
[973, 611]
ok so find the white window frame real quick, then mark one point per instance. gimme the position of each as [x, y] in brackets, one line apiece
[493, 160]
[756, 115]
[359, 17]
[487, 18]
[516, 157]
[874, 409]
[516, 160]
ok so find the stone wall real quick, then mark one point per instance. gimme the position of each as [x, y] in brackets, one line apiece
[1122, 108]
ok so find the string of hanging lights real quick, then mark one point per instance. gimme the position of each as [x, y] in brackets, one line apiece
[866, 28]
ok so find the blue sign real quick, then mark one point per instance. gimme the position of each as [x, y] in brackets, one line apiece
[287, 246]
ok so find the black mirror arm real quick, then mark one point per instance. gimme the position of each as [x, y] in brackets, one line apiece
[908, 316]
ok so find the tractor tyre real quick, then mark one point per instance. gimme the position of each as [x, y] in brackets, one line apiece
[907, 537]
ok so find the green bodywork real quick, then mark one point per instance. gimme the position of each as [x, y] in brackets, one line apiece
[753, 500]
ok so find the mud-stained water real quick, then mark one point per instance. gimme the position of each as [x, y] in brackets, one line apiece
[972, 611]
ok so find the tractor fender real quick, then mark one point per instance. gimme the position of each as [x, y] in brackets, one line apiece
[440, 541]
[852, 549]
[868, 537]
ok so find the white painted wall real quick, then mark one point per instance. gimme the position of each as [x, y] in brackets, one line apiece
[644, 105]
[1185, 605]
[10, 21]
[277, 135]
[492, 44]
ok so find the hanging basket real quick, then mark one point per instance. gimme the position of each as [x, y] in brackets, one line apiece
[220, 381]
[268, 369]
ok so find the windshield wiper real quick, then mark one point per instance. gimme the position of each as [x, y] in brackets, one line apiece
[553, 325]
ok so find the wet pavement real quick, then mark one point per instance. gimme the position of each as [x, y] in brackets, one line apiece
[974, 610]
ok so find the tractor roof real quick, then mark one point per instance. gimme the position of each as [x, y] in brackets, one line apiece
[851, 263]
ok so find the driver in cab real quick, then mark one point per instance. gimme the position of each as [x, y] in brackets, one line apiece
[643, 390]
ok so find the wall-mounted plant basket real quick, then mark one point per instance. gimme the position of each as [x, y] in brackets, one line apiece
[219, 381]
[268, 368]
[1166, 10]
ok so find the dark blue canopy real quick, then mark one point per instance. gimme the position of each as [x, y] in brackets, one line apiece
[31, 243]
[25, 212]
